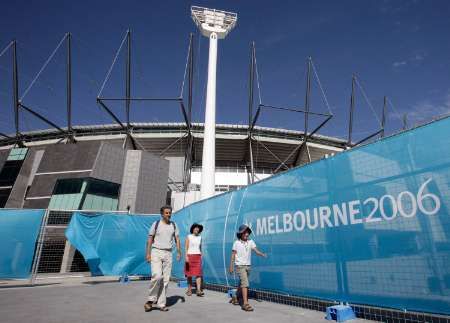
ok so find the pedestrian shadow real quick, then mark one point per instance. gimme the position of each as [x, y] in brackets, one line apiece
[172, 300]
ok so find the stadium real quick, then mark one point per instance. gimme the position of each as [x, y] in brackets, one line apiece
[358, 225]
[135, 167]
[38, 167]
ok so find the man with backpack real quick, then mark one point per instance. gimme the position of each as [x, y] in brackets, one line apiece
[160, 242]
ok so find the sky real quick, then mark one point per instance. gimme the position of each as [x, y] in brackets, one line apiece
[399, 49]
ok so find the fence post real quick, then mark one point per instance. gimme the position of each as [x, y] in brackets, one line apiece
[40, 243]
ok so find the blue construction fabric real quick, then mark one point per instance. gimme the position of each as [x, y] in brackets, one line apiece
[111, 244]
[19, 230]
[370, 225]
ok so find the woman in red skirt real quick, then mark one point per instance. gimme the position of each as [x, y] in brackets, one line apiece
[193, 265]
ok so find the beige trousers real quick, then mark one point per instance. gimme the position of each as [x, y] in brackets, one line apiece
[161, 270]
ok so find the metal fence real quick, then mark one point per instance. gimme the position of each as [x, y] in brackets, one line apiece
[53, 253]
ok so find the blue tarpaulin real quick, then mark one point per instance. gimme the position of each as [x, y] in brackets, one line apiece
[369, 226]
[19, 230]
[111, 244]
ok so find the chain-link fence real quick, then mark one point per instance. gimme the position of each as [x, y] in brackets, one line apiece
[53, 253]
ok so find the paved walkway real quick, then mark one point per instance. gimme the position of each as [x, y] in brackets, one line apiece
[113, 302]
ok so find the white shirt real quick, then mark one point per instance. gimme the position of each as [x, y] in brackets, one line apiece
[164, 236]
[194, 244]
[243, 252]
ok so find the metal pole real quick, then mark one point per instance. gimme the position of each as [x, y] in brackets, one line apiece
[307, 96]
[39, 116]
[128, 81]
[16, 91]
[251, 80]
[209, 141]
[188, 162]
[307, 104]
[352, 108]
[383, 116]
[250, 109]
[191, 77]
[40, 244]
[252, 166]
[69, 85]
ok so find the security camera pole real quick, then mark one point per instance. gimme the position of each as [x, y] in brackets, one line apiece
[214, 24]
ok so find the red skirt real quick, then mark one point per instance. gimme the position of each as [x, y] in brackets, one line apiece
[194, 266]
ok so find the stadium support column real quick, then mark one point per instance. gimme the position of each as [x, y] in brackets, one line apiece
[209, 140]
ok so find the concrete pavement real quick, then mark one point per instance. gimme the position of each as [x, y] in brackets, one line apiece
[108, 302]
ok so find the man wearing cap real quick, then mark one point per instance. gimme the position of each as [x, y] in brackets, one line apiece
[241, 258]
[160, 243]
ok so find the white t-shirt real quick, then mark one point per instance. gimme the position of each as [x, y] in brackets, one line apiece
[243, 252]
[194, 244]
[164, 236]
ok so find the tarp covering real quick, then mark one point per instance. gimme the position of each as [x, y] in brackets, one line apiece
[111, 244]
[369, 226]
[19, 230]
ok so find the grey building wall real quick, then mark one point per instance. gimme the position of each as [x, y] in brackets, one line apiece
[109, 164]
[69, 157]
[128, 190]
[16, 198]
[43, 186]
[143, 176]
[176, 167]
[144, 183]
[59, 162]
[152, 186]
[36, 163]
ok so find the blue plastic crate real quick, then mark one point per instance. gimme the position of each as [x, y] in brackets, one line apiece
[340, 313]
[124, 279]
[232, 292]
[182, 283]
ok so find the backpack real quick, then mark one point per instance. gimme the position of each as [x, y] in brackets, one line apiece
[156, 229]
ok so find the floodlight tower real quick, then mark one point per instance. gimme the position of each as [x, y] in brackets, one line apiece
[214, 24]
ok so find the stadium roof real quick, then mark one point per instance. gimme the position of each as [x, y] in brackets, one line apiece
[169, 140]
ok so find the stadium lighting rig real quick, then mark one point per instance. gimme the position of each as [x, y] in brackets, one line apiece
[214, 24]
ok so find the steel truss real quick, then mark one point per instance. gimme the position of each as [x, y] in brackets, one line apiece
[19, 106]
[379, 132]
[299, 150]
[130, 141]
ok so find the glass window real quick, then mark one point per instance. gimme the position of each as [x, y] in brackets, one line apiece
[17, 154]
[103, 188]
[4, 195]
[68, 186]
[9, 172]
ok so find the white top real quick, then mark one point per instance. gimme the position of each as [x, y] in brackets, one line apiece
[243, 252]
[164, 236]
[194, 244]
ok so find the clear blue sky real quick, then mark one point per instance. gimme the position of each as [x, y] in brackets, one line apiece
[397, 48]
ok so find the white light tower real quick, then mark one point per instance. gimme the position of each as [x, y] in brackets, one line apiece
[214, 24]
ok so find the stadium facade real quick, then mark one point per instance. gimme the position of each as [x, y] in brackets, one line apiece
[101, 172]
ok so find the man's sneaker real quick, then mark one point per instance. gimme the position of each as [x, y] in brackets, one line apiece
[148, 306]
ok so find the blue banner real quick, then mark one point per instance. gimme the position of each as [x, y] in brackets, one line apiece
[370, 225]
[19, 230]
[111, 244]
